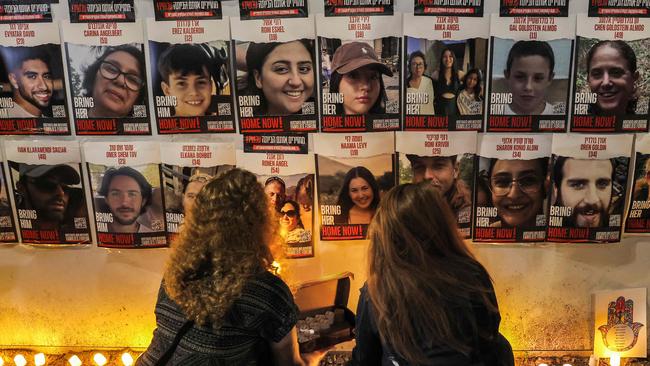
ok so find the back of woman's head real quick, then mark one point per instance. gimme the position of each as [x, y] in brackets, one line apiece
[419, 270]
[223, 242]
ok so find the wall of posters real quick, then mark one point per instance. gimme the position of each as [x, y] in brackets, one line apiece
[360, 73]
[275, 75]
[107, 76]
[186, 168]
[589, 178]
[190, 72]
[446, 160]
[32, 97]
[128, 201]
[352, 172]
[48, 191]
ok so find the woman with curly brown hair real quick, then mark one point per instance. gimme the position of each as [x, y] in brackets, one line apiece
[427, 301]
[218, 303]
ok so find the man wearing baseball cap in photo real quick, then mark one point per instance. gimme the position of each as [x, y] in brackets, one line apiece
[357, 75]
[47, 190]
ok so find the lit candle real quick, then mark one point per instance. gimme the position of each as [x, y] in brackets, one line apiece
[593, 360]
[127, 359]
[99, 359]
[615, 359]
[39, 359]
[20, 360]
[74, 361]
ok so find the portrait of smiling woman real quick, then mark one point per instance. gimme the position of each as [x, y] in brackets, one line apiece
[358, 197]
[282, 75]
[116, 82]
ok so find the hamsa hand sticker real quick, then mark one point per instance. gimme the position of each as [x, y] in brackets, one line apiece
[621, 333]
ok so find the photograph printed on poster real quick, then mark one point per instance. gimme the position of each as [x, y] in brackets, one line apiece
[638, 211]
[589, 176]
[128, 204]
[276, 79]
[292, 196]
[192, 80]
[529, 78]
[445, 79]
[182, 185]
[612, 85]
[7, 225]
[51, 203]
[360, 82]
[349, 191]
[108, 87]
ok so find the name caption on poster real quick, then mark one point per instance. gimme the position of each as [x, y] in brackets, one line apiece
[19, 31]
[517, 145]
[272, 27]
[618, 26]
[275, 162]
[187, 28]
[195, 153]
[359, 24]
[102, 31]
[42, 151]
[532, 25]
[352, 144]
[436, 141]
[593, 145]
[122, 152]
[446, 25]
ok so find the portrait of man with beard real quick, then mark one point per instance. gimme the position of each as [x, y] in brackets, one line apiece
[585, 186]
[47, 189]
[127, 194]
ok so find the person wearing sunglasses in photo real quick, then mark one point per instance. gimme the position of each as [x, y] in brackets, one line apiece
[518, 190]
[115, 82]
[47, 190]
[291, 227]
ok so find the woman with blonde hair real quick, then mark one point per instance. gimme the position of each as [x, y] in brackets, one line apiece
[427, 301]
[219, 304]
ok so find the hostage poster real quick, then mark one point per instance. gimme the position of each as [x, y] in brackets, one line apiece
[446, 160]
[128, 201]
[107, 78]
[46, 179]
[512, 188]
[190, 71]
[186, 168]
[353, 170]
[589, 178]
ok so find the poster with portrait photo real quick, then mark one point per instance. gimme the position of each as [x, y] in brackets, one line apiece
[264, 9]
[345, 8]
[187, 10]
[275, 75]
[537, 8]
[529, 75]
[512, 188]
[611, 82]
[24, 11]
[186, 168]
[445, 66]
[359, 62]
[49, 193]
[107, 78]
[88, 11]
[353, 171]
[128, 199]
[190, 74]
[637, 220]
[589, 180]
[32, 87]
[446, 160]
[7, 224]
[288, 181]
[462, 8]
[619, 8]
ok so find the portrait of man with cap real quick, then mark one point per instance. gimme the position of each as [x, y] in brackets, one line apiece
[49, 191]
[127, 195]
[356, 73]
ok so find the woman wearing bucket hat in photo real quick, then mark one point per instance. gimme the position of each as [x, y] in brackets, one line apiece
[357, 75]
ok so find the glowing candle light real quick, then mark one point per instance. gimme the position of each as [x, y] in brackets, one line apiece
[39, 359]
[614, 360]
[566, 364]
[20, 360]
[74, 361]
[127, 359]
[99, 359]
[543, 364]
[2, 362]
[276, 267]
